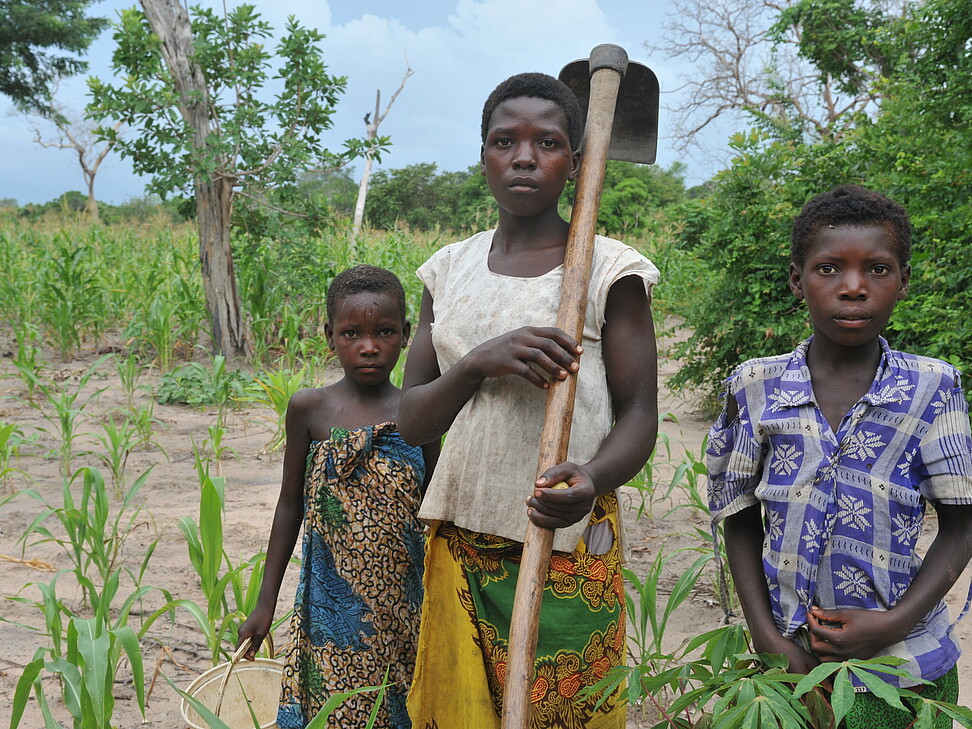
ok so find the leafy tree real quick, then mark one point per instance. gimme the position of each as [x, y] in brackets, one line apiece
[418, 196]
[194, 93]
[634, 192]
[35, 36]
[804, 67]
[917, 148]
[334, 188]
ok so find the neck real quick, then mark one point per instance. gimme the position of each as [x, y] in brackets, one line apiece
[537, 231]
[378, 391]
[824, 354]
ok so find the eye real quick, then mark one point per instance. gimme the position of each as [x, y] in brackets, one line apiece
[387, 332]
[503, 142]
[881, 269]
[548, 143]
[351, 333]
[826, 269]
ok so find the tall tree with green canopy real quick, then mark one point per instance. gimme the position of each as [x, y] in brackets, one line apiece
[39, 44]
[216, 114]
[915, 147]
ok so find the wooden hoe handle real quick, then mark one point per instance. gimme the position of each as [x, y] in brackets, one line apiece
[608, 64]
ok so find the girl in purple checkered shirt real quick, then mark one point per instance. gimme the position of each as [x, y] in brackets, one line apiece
[823, 460]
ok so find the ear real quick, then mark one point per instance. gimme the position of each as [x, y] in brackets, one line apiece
[482, 160]
[329, 335]
[796, 284]
[905, 282]
[406, 333]
[574, 166]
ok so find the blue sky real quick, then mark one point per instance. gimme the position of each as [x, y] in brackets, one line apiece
[458, 49]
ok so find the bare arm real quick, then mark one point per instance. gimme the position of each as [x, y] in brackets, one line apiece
[432, 399]
[286, 520]
[836, 635]
[430, 452]
[744, 544]
[631, 364]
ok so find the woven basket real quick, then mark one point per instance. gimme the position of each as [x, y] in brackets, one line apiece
[226, 690]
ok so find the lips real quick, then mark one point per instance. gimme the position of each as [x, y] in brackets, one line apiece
[852, 317]
[523, 183]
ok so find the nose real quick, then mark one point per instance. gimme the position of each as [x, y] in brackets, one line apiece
[368, 346]
[853, 285]
[523, 156]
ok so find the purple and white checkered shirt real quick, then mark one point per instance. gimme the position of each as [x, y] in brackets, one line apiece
[843, 510]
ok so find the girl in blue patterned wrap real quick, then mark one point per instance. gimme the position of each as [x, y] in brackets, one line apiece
[355, 486]
[823, 460]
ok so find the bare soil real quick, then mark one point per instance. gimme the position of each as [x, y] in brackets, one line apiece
[252, 482]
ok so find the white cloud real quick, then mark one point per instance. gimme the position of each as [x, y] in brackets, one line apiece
[459, 51]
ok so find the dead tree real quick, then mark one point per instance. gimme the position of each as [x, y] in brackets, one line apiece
[78, 135]
[371, 127]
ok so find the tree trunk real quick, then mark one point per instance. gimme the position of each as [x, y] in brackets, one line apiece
[359, 204]
[371, 127]
[214, 206]
[214, 192]
[91, 206]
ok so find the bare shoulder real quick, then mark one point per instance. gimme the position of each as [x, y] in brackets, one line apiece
[308, 411]
[308, 399]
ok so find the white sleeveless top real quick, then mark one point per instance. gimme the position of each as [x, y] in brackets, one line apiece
[489, 458]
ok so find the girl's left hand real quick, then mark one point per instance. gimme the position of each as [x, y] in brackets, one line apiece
[556, 508]
[836, 635]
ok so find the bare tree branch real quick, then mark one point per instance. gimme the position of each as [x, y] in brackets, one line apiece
[372, 132]
[736, 66]
[73, 132]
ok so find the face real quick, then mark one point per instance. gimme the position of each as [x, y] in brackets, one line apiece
[367, 335]
[526, 157]
[851, 280]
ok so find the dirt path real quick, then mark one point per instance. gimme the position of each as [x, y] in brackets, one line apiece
[252, 481]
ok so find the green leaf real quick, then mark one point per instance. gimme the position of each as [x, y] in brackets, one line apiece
[379, 700]
[961, 714]
[22, 691]
[129, 642]
[334, 701]
[685, 584]
[49, 722]
[878, 686]
[842, 697]
[94, 645]
[70, 683]
[207, 715]
[817, 676]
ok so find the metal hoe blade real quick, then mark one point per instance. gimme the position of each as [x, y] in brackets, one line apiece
[634, 137]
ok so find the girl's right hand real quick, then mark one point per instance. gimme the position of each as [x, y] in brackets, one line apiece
[550, 349]
[255, 627]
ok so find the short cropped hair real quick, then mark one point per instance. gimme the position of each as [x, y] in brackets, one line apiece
[539, 86]
[850, 205]
[365, 279]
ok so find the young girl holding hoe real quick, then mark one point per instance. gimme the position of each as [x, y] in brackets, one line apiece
[824, 458]
[484, 354]
[355, 485]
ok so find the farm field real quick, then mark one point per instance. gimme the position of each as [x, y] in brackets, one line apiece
[179, 649]
[171, 492]
[165, 554]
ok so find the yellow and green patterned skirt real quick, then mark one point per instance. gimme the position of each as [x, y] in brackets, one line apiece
[470, 579]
